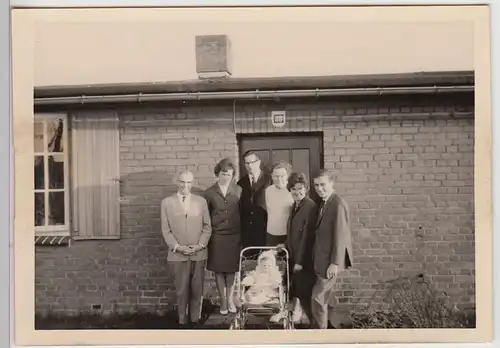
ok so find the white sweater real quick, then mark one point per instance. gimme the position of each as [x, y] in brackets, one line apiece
[279, 204]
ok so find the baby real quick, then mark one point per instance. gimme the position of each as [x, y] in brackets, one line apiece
[264, 281]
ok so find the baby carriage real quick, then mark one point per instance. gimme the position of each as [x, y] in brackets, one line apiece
[262, 287]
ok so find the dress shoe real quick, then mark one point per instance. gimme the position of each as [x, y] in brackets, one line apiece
[196, 325]
[277, 317]
[297, 314]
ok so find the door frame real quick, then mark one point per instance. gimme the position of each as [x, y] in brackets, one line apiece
[280, 135]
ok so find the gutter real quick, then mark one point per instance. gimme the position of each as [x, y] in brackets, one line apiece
[257, 94]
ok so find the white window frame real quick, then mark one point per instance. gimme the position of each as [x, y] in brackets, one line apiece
[56, 230]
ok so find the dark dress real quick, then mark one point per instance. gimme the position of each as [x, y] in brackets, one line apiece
[253, 210]
[300, 245]
[225, 243]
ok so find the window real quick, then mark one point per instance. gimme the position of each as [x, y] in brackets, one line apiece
[51, 175]
[88, 205]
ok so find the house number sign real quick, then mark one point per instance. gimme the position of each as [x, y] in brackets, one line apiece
[278, 118]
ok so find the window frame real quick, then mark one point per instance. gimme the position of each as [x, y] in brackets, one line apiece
[54, 230]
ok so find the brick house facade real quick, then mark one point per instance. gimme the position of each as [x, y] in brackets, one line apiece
[404, 163]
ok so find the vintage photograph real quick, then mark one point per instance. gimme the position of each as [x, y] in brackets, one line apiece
[253, 174]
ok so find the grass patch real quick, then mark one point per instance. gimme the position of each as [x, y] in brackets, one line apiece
[136, 320]
[410, 302]
[92, 321]
[128, 321]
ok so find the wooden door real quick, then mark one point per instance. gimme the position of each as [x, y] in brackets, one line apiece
[303, 152]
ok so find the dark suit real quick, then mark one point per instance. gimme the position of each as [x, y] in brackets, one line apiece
[332, 245]
[225, 243]
[300, 243]
[253, 210]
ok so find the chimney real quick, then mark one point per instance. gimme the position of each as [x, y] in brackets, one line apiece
[212, 56]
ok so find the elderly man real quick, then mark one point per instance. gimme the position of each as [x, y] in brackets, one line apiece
[332, 249]
[185, 223]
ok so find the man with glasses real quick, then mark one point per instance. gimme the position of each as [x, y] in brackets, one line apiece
[252, 202]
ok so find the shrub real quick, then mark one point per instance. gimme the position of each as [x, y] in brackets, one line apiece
[411, 302]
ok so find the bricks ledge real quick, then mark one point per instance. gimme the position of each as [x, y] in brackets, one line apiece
[52, 240]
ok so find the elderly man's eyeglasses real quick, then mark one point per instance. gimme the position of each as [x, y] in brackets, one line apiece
[251, 162]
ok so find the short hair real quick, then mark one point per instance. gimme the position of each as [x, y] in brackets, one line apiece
[249, 153]
[298, 178]
[224, 165]
[325, 172]
[282, 165]
[182, 172]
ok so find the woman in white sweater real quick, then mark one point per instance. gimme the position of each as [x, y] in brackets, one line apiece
[279, 203]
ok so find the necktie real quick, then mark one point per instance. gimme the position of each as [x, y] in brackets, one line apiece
[184, 204]
[321, 208]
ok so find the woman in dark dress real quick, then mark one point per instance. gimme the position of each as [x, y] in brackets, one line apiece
[299, 243]
[224, 247]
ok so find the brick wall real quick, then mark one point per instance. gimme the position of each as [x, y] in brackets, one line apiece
[410, 186]
[404, 165]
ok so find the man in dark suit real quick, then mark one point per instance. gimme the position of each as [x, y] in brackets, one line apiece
[252, 202]
[186, 228]
[332, 249]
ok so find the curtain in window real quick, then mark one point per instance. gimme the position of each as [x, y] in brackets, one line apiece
[95, 175]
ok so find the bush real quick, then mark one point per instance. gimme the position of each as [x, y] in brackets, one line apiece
[411, 302]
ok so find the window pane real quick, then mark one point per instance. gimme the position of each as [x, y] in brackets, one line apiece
[56, 212]
[55, 135]
[56, 172]
[38, 136]
[39, 173]
[39, 209]
[264, 158]
[281, 155]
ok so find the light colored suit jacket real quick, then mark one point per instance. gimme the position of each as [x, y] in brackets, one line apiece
[185, 228]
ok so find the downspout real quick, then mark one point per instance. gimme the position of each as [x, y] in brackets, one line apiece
[240, 95]
[234, 116]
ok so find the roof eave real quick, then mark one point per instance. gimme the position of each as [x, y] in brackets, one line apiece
[445, 78]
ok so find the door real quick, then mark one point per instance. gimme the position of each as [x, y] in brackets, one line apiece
[303, 152]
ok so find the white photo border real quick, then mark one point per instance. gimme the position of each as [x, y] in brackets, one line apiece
[131, 337]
